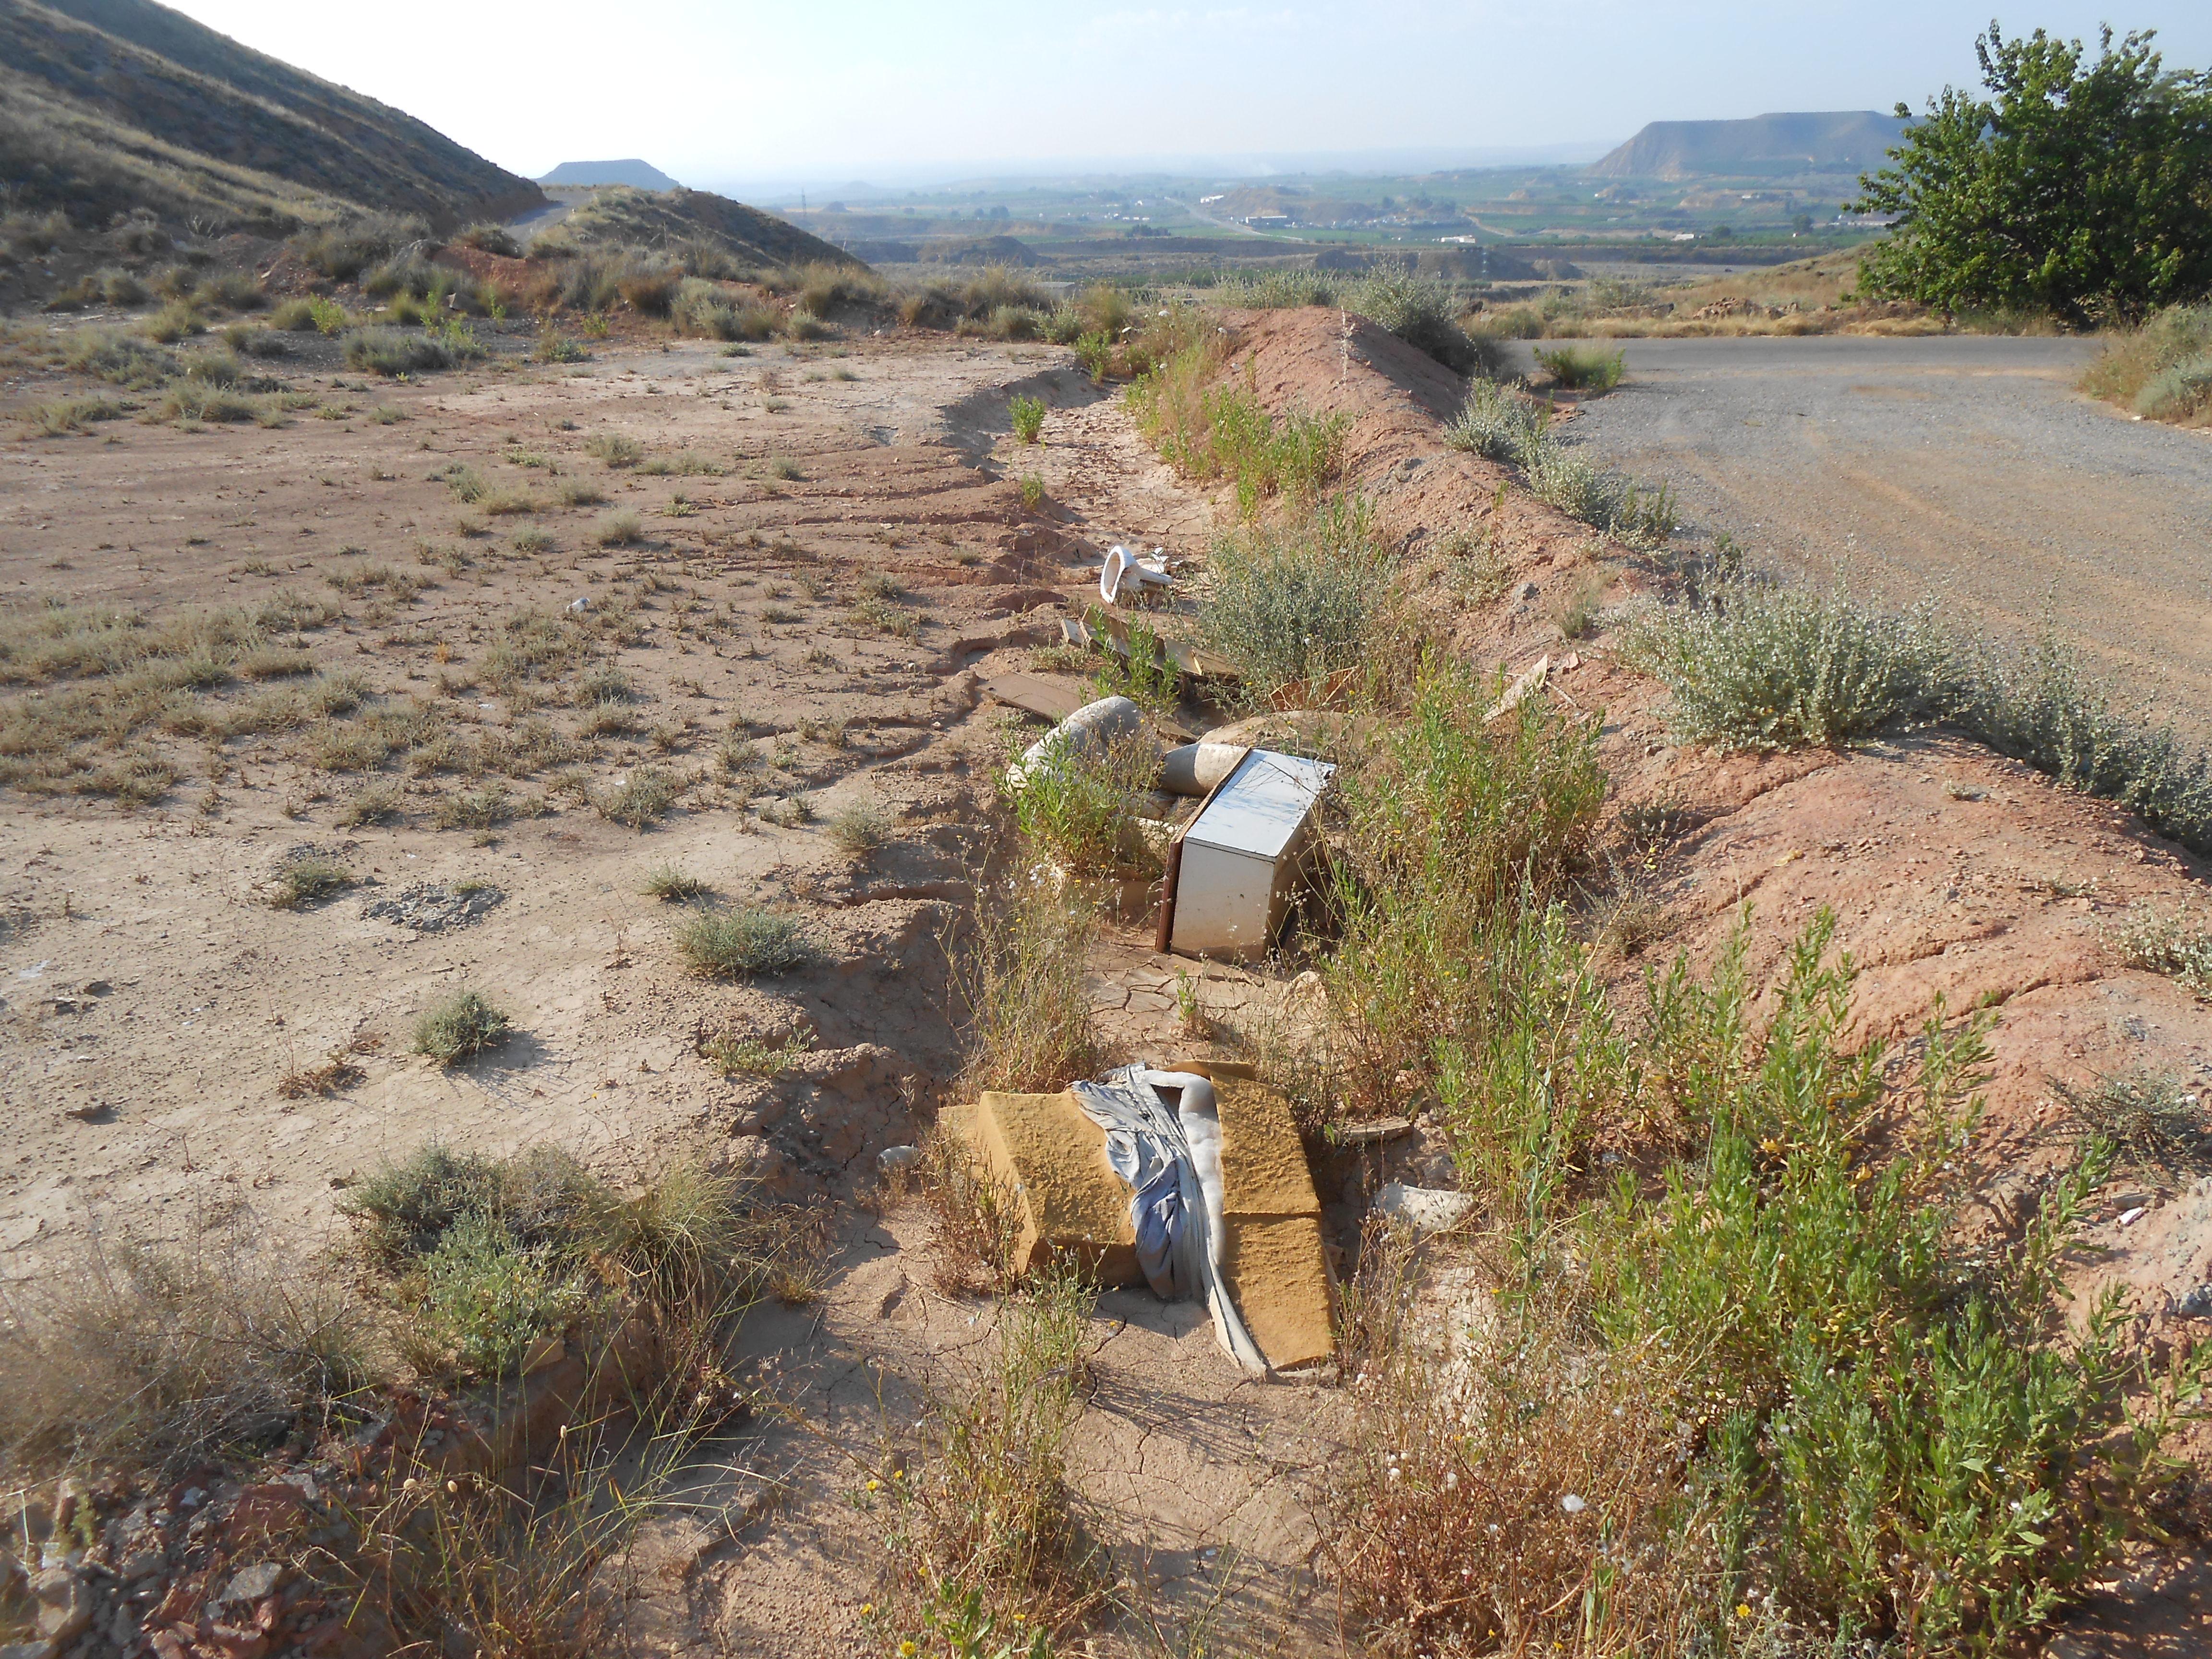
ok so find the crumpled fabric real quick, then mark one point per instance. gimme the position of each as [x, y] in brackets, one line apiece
[1171, 1160]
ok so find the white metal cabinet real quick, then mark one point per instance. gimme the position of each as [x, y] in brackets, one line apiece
[1241, 859]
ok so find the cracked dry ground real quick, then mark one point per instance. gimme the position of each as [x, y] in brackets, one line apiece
[154, 1001]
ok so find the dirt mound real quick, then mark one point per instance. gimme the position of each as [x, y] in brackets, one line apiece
[1960, 880]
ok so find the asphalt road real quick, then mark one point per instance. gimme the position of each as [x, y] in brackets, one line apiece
[1964, 466]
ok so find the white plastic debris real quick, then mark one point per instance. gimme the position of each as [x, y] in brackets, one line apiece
[898, 1160]
[1572, 1503]
[1124, 569]
[1193, 768]
[1090, 730]
[1425, 1209]
[2133, 1216]
[579, 604]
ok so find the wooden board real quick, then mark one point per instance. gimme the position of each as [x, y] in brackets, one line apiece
[1055, 697]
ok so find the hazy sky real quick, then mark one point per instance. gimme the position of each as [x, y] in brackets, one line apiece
[736, 93]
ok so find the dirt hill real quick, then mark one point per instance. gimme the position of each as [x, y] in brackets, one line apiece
[644, 218]
[1849, 141]
[632, 171]
[110, 104]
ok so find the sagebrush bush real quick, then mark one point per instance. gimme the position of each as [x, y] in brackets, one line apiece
[1290, 605]
[1419, 310]
[741, 942]
[1765, 667]
[458, 1027]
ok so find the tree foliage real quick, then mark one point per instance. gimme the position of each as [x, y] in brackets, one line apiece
[2079, 187]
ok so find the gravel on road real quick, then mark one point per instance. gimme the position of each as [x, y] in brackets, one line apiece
[1964, 466]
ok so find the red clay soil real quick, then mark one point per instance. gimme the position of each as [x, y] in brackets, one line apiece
[1958, 879]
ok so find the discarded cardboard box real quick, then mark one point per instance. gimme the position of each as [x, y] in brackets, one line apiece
[1068, 1203]
[1237, 866]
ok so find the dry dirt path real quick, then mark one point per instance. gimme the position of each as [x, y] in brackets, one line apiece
[1967, 465]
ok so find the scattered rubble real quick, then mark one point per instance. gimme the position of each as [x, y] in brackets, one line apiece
[430, 906]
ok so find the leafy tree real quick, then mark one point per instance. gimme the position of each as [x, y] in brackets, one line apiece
[2081, 188]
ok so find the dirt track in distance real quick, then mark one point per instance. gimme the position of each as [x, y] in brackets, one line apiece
[1968, 465]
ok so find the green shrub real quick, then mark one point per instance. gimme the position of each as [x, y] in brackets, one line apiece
[1499, 424]
[458, 1027]
[1291, 604]
[392, 351]
[1027, 415]
[1078, 810]
[1583, 367]
[1418, 311]
[640, 801]
[1770, 667]
[483, 1298]
[741, 942]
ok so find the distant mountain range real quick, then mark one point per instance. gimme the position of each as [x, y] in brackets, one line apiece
[1764, 146]
[108, 105]
[642, 174]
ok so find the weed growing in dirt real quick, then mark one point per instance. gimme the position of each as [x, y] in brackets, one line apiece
[988, 1517]
[624, 529]
[373, 803]
[751, 1056]
[639, 800]
[307, 881]
[1769, 667]
[2147, 1117]
[2162, 370]
[1019, 972]
[1418, 311]
[616, 449]
[1077, 811]
[1205, 431]
[140, 1355]
[393, 352]
[1455, 832]
[459, 1027]
[1772, 1371]
[1764, 667]
[671, 886]
[742, 941]
[1032, 491]
[1027, 415]
[2176, 945]
[861, 830]
[1500, 423]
